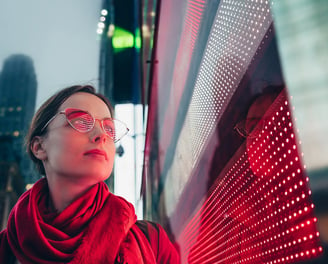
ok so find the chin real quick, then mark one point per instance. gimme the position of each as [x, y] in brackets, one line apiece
[94, 176]
[99, 176]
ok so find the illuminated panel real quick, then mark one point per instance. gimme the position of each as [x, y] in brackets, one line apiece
[259, 210]
[237, 33]
[193, 17]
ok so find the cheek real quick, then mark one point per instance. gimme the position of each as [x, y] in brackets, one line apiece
[63, 148]
[111, 153]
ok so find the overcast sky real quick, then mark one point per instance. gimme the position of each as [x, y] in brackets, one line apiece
[59, 35]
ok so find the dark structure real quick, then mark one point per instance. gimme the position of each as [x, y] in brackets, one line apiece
[18, 88]
[11, 180]
[119, 68]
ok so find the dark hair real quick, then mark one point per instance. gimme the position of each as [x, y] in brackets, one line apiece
[48, 109]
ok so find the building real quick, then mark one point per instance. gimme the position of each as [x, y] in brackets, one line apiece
[18, 87]
[119, 67]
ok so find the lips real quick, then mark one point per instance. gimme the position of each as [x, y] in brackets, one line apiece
[96, 152]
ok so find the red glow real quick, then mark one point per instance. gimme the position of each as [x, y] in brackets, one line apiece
[260, 210]
[190, 31]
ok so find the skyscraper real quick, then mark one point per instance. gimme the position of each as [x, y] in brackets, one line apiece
[18, 87]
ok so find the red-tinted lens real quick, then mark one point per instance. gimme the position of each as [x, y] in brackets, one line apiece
[80, 120]
[109, 127]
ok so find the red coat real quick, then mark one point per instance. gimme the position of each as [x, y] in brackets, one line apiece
[97, 228]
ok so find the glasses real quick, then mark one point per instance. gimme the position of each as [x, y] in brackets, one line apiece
[252, 127]
[249, 128]
[83, 122]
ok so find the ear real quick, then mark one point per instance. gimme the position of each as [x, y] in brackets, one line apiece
[38, 149]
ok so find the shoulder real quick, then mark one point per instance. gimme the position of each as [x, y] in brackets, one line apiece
[151, 230]
[161, 245]
[147, 227]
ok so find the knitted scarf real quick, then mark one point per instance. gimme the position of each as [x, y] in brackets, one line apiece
[95, 228]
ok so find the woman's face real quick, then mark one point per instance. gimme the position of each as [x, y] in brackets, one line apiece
[69, 153]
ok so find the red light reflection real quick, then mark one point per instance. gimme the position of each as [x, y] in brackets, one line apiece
[260, 210]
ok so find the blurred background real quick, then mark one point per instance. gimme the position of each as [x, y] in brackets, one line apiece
[226, 102]
[46, 46]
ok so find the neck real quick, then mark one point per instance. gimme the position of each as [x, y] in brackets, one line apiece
[65, 191]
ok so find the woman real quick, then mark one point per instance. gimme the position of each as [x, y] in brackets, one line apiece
[69, 216]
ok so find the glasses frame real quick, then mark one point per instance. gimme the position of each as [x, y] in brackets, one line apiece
[260, 126]
[115, 121]
[240, 127]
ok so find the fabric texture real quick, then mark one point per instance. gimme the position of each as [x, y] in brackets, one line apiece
[98, 227]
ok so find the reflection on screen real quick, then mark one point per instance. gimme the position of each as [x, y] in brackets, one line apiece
[260, 208]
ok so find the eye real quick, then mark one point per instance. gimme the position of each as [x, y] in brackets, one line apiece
[80, 123]
[109, 127]
[80, 120]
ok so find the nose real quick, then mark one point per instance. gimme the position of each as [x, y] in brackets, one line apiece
[98, 134]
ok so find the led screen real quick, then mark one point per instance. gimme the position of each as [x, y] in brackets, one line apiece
[260, 209]
[223, 163]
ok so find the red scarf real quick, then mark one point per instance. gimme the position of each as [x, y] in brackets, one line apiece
[82, 233]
